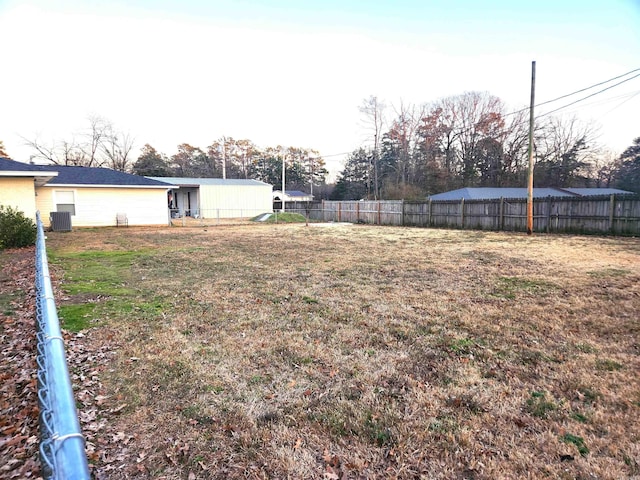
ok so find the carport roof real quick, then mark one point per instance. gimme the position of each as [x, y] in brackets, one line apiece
[195, 182]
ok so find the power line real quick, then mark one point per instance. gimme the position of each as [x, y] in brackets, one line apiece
[589, 88]
[589, 96]
[547, 102]
[578, 91]
[624, 97]
[622, 103]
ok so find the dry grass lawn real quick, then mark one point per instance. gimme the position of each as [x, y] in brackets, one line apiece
[285, 351]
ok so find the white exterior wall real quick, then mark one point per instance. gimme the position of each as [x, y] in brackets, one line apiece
[97, 207]
[235, 201]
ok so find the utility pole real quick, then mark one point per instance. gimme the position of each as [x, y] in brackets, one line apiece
[531, 127]
[224, 157]
[311, 161]
[283, 181]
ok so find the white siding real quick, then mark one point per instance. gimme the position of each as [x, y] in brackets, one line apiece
[234, 201]
[97, 207]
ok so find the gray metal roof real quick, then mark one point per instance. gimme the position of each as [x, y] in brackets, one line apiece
[194, 181]
[296, 193]
[488, 193]
[585, 192]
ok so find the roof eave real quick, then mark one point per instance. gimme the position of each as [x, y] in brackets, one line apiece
[93, 185]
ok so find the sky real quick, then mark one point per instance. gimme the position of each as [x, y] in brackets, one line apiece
[294, 72]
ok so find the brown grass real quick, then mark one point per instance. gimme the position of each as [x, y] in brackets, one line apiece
[363, 352]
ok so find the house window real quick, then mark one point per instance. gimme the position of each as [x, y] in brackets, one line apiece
[65, 201]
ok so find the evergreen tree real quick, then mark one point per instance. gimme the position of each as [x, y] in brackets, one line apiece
[150, 163]
[627, 172]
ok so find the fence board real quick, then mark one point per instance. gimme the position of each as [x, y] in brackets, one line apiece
[602, 214]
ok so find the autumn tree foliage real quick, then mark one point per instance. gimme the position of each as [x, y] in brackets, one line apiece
[468, 140]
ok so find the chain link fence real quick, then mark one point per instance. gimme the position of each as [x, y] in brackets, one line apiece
[61, 442]
[213, 216]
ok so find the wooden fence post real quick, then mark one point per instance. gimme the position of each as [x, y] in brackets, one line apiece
[379, 217]
[462, 213]
[429, 215]
[612, 210]
[402, 214]
[548, 213]
[339, 212]
[357, 212]
[501, 219]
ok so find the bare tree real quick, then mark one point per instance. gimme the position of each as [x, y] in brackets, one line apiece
[96, 134]
[373, 111]
[64, 152]
[99, 144]
[116, 148]
[566, 149]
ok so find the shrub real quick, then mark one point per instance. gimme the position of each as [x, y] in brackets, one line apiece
[16, 230]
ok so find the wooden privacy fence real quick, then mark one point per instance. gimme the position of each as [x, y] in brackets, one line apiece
[615, 214]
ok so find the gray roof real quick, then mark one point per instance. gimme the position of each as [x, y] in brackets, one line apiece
[296, 193]
[488, 193]
[194, 181]
[72, 175]
[585, 192]
[8, 165]
[101, 176]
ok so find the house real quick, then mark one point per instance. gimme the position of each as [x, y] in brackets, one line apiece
[93, 196]
[491, 193]
[218, 197]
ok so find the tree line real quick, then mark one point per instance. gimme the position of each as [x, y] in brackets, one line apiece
[471, 140]
[230, 158]
[101, 144]
[412, 151]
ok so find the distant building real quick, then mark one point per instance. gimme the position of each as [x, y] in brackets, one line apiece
[292, 196]
[217, 197]
[491, 193]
